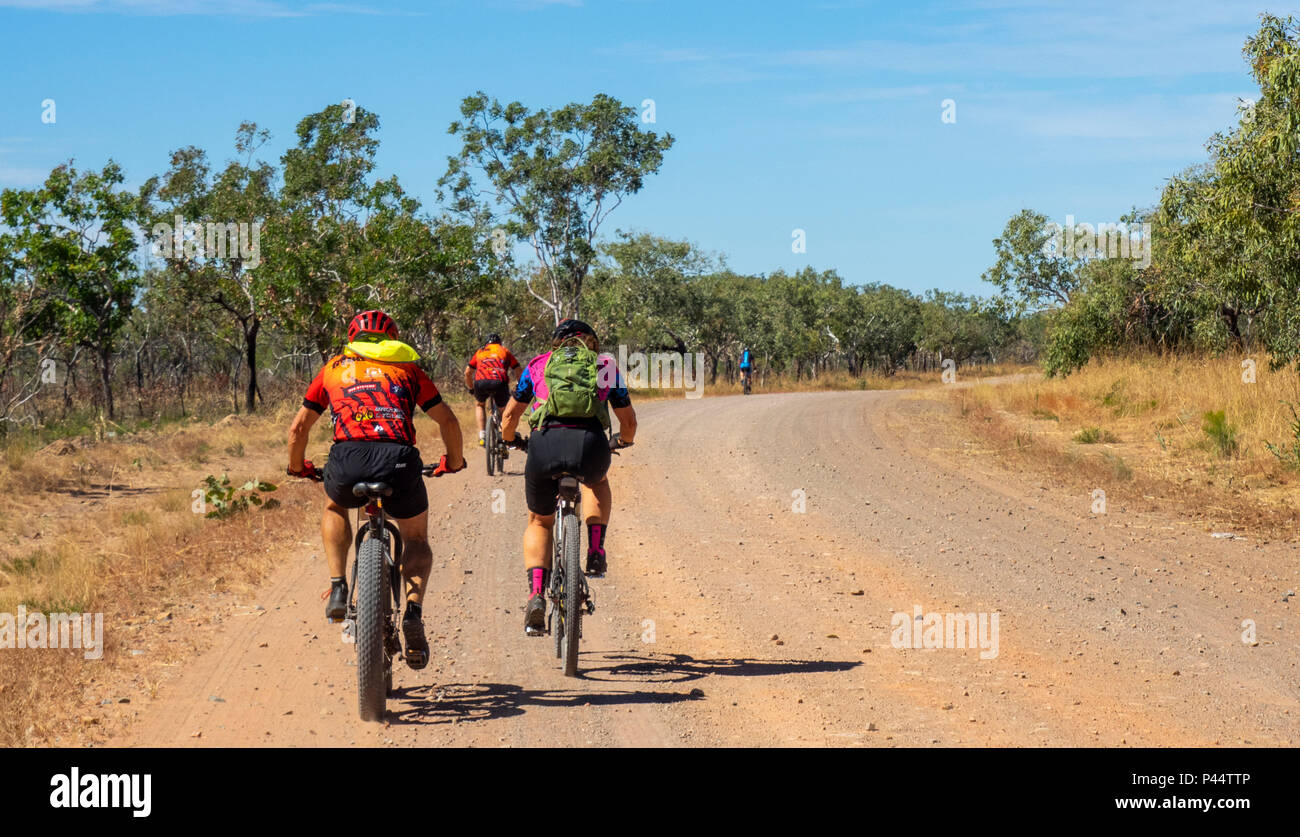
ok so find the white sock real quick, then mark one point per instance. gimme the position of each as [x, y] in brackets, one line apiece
[482, 434]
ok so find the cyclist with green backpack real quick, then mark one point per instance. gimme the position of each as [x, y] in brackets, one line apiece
[571, 389]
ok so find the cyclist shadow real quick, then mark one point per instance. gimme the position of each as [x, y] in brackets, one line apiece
[464, 702]
[680, 668]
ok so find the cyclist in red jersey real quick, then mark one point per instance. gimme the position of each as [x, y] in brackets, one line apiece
[373, 388]
[488, 375]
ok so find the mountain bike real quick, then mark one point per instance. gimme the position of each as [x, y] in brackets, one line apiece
[494, 445]
[745, 377]
[569, 593]
[376, 604]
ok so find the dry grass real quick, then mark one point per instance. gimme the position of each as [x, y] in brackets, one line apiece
[109, 527]
[838, 380]
[1137, 426]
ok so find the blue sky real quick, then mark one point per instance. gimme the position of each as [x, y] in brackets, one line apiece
[820, 116]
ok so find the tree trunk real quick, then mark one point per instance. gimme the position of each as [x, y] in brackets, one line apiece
[1230, 316]
[250, 355]
[105, 360]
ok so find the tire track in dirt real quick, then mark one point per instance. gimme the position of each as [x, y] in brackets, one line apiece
[728, 618]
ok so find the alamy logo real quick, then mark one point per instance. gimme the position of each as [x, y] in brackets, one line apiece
[1105, 241]
[57, 630]
[946, 630]
[211, 240]
[658, 370]
[120, 790]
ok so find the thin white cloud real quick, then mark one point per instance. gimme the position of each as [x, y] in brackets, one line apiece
[216, 8]
[1165, 39]
[1139, 117]
[11, 178]
[876, 94]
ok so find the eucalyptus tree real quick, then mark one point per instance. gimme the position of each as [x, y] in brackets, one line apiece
[224, 213]
[550, 178]
[343, 240]
[73, 241]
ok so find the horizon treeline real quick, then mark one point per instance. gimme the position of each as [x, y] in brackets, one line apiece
[211, 285]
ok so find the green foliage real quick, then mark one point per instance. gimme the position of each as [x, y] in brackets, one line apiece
[209, 329]
[1221, 435]
[1289, 455]
[226, 500]
[1094, 435]
[553, 177]
[1027, 269]
[66, 264]
[1225, 241]
[961, 327]
[28, 565]
[61, 604]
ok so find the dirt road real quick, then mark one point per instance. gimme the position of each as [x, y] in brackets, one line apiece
[760, 548]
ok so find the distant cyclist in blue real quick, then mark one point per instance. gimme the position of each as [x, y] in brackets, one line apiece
[746, 367]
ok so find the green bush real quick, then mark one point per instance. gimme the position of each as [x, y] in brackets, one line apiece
[1093, 435]
[1222, 435]
[1289, 455]
[226, 500]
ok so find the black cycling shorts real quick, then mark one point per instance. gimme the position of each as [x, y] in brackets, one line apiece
[498, 390]
[396, 464]
[553, 451]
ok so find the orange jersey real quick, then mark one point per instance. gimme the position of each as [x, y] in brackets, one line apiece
[493, 363]
[371, 400]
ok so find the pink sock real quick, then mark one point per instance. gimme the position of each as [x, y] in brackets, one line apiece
[536, 575]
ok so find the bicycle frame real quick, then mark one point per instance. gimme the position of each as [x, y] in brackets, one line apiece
[569, 498]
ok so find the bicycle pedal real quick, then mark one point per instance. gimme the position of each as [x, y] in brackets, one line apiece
[591, 607]
[349, 636]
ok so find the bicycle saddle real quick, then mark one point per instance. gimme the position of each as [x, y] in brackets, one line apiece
[372, 489]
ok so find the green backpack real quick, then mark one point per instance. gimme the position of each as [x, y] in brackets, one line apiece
[571, 389]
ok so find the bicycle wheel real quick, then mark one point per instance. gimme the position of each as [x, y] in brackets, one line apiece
[490, 443]
[372, 613]
[572, 592]
[498, 449]
[557, 591]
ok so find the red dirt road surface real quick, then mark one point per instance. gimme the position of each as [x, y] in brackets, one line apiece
[759, 550]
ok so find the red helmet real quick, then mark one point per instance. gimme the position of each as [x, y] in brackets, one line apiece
[372, 322]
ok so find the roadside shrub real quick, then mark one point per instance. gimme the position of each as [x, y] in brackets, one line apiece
[1094, 435]
[1221, 434]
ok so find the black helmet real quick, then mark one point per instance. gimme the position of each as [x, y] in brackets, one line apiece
[573, 328]
[493, 338]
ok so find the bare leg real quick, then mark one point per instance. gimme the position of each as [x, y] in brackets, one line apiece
[336, 532]
[537, 541]
[599, 502]
[417, 557]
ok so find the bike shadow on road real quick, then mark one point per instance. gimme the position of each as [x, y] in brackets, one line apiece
[463, 702]
[680, 668]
